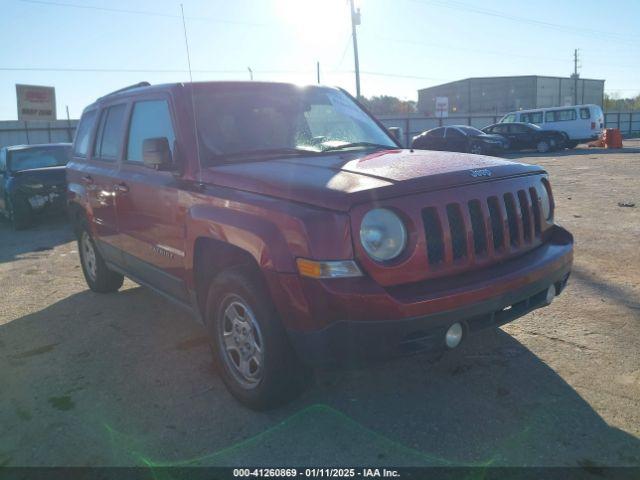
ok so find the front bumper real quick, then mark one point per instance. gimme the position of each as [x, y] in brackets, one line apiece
[349, 321]
[349, 342]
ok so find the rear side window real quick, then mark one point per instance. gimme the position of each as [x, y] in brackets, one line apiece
[561, 115]
[531, 117]
[436, 133]
[110, 130]
[585, 114]
[83, 134]
[150, 119]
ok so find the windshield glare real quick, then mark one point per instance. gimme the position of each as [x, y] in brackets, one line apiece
[38, 158]
[311, 119]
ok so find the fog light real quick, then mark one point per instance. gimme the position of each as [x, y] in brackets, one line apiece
[454, 335]
[551, 294]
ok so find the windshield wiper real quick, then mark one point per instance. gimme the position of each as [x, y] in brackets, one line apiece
[358, 144]
[263, 153]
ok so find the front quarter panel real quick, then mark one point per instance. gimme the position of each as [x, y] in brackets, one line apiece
[273, 231]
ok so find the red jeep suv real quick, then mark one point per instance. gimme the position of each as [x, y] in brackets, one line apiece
[291, 223]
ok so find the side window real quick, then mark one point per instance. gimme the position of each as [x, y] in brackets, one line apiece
[501, 128]
[585, 114]
[150, 119]
[83, 134]
[110, 130]
[535, 117]
[436, 133]
[453, 133]
[509, 118]
[561, 115]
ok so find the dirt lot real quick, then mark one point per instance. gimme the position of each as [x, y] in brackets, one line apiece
[126, 378]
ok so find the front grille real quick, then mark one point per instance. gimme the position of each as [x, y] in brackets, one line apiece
[482, 228]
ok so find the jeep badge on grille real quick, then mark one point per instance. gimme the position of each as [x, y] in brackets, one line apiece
[483, 172]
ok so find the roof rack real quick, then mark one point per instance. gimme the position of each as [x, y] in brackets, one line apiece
[135, 85]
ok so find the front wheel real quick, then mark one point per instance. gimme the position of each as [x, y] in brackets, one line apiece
[250, 346]
[98, 276]
[20, 213]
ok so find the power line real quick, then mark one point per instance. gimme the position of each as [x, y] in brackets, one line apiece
[140, 12]
[138, 70]
[457, 5]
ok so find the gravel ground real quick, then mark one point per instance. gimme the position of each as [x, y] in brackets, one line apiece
[127, 379]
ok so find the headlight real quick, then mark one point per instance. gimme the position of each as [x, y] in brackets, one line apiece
[545, 202]
[382, 234]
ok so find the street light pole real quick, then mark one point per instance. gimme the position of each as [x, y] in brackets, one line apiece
[355, 20]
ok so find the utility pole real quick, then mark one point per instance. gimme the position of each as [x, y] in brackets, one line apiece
[575, 76]
[318, 70]
[250, 73]
[355, 20]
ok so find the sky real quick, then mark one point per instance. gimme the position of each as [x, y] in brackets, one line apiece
[86, 48]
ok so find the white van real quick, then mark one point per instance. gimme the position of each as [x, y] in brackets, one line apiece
[579, 123]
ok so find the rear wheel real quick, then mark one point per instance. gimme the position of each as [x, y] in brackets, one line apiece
[543, 146]
[476, 148]
[98, 276]
[20, 213]
[250, 346]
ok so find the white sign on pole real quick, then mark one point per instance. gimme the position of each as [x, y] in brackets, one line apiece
[35, 102]
[442, 107]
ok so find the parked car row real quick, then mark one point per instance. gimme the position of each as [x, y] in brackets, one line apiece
[544, 130]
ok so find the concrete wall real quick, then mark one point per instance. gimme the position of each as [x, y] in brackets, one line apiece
[14, 132]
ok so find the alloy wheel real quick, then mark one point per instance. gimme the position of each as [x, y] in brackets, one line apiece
[241, 341]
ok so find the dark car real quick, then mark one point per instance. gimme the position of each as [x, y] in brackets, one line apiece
[297, 230]
[32, 181]
[524, 136]
[460, 138]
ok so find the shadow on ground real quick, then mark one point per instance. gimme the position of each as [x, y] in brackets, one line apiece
[126, 379]
[45, 234]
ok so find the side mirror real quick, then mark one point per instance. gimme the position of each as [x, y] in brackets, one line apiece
[156, 153]
[396, 132]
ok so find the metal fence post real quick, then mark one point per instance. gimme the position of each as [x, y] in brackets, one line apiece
[619, 124]
[407, 135]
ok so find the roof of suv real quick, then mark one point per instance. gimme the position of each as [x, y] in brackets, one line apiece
[163, 87]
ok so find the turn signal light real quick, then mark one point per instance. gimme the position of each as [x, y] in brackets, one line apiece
[330, 269]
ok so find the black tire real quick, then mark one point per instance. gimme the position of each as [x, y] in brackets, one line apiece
[98, 276]
[476, 148]
[282, 376]
[20, 213]
[543, 146]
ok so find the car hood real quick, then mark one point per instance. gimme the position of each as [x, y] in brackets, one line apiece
[343, 180]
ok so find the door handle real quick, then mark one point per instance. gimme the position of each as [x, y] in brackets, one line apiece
[121, 187]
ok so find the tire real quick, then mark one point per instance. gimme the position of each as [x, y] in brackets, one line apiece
[571, 145]
[96, 273]
[476, 149]
[543, 146]
[20, 213]
[250, 346]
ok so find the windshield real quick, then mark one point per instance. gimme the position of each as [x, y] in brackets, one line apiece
[39, 157]
[470, 130]
[281, 118]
